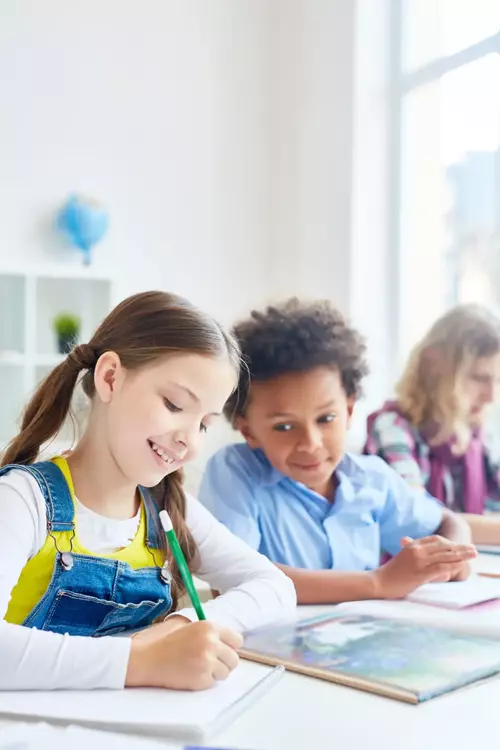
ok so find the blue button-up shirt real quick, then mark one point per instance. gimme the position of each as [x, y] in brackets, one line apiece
[293, 525]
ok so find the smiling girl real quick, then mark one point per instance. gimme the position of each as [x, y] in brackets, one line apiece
[82, 553]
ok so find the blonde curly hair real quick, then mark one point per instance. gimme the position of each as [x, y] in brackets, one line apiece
[429, 390]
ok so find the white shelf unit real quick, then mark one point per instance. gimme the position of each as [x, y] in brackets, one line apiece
[29, 301]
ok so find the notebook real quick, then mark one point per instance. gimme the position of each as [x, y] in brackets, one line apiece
[40, 736]
[411, 663]
[168, 713]
[458, 594]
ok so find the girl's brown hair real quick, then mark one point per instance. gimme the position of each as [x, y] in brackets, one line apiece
[140, 329]
[428, 393]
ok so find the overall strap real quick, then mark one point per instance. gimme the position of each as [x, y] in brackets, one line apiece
[54, 488]
[154, 531]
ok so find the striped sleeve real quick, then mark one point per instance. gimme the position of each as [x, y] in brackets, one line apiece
[391, 438]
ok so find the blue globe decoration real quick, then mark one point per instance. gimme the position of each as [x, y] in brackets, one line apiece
[84, 222]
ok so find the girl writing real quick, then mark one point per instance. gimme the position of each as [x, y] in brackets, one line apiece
[82, 553]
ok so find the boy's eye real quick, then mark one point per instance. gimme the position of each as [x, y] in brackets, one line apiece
[282, 427]
[327, 418]
[170, 406]
[203, 427]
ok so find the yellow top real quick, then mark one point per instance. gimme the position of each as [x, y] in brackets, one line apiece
[37, 573]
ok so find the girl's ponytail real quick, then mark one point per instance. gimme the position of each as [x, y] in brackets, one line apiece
[140, 330]
[49, 407]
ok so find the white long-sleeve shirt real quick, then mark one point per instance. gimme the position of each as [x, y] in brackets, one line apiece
[254, 592]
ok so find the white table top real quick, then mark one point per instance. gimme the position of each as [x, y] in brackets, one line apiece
[301, 713]
[487, 564]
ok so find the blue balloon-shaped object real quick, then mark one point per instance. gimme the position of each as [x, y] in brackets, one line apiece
[84, 222]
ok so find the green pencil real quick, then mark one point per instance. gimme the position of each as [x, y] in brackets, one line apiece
[181, 563]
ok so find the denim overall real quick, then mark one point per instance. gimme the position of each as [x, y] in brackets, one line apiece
[90, 595]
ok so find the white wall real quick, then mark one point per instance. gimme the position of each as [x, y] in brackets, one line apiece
[371, 288]
[328, 171]
[238, 144]
[158, 108]
[312, 109]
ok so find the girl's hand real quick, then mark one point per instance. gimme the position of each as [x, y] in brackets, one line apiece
[193, 657]
[161, 629]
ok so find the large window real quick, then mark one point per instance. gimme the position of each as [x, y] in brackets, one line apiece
[446, 144]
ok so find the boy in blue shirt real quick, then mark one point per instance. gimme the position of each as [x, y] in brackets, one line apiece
[292, 493]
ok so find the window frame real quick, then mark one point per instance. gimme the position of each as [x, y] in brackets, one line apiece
[400, 84]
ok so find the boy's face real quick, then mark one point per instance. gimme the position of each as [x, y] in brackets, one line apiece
[300, 421]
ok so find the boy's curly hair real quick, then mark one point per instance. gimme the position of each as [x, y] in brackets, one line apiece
[296, 337]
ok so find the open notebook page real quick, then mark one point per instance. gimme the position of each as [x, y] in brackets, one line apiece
[168, 713]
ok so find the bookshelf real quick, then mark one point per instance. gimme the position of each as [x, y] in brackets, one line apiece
[30, 298]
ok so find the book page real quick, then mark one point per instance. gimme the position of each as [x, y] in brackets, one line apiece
[459, 594]
[481, 620]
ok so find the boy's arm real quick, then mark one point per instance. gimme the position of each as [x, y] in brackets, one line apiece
[331, 586]
[420, 561]
[412, 512]
[456, 527]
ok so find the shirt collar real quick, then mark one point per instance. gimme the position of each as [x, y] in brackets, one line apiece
[266, 475]
[351, 470]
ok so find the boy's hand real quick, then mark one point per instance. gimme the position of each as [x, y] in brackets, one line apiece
[460, 572]
[426, 560]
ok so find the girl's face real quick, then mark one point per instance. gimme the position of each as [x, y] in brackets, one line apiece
[477, 387]
[155, 417]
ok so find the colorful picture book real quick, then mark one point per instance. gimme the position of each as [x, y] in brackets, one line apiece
[408, 662]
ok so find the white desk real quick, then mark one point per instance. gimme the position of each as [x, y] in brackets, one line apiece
[301, 713]
[487, 564]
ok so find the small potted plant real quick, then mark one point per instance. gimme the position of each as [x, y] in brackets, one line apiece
[67, 328]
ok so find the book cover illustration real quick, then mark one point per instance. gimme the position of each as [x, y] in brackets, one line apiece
[402, 660]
